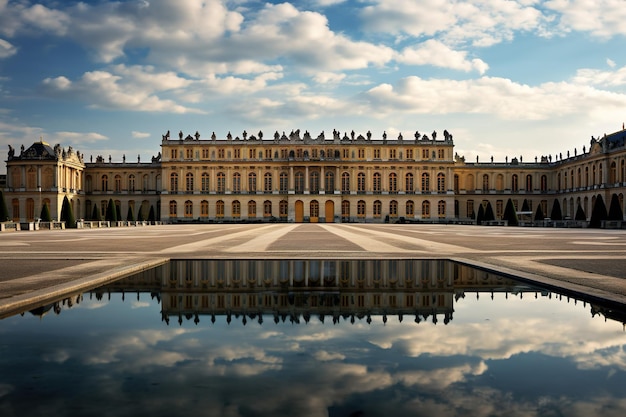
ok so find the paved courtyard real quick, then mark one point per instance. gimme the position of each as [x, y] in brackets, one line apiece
[34, 265]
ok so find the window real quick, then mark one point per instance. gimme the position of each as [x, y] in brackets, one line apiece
[360, 209]
[105, 183]
[376, 182]
[441, 154]
[393, 208]
[205, 154]
[544, 183]
[250, 153]
[251, 208]
[205, 182]
[345, 182]
[236, 183]
[299, 179]
[378, 208]
[284, 182]
[188, 208]
[345, 209]
[189, 153]
[237, 153]
[118, 183]
[409, 154]
[361, 182]
[346, 154]
[314, 186]
[441, 182]
[267, 182]
[456, 183]
[283, 209]
[376, 153]
[221, 182]
[529, 182]
[499, 209]
[408, 183]
[425, 182]
[173, 208]
[131, 183]
[189, 182]
[220, 153]
[410, 209]
[314, 209]
[174, 182]
[268, 154]
[252, 182]
[425, 154]
[174, 154]
[329, 182]
[426, 209]
[485, 183]
[219, 209]
[267, 208]
[470, 208]
[392, 154]
[204, 208]
[361, 153]
[514, 184]
[393, 183]
[441, 209]
[236, 208]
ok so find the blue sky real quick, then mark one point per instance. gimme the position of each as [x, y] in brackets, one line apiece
[506, 78]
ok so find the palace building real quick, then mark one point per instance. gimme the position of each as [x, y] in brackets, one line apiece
[300, 178]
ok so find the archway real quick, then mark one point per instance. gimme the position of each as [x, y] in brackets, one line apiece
[330, 211]
[299, 211]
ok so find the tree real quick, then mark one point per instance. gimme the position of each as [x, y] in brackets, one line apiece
[481, 215]
[45, 213]
[598, 213]
[130, 216]
[140, 216]
[615, 210]
[151, 216]
[539, 216]
[95, 214]
[580, 213]
[525, 206]
[111, 214]
[489, 216]
[555, 214]
[4, 212]
[67, 214]
[509, 214]
[118, 213]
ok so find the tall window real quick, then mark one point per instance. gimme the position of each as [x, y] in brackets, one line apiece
[441, 209]
[410, 208]
[544, 183]
[221, 182]
[189, 182]
[393, 208]
[314, 186]
[284, 182]
[485, 182]
[376, 182]
[426, 209]
[252, 182]
[131, 183]
[283, 209]
[441, 182]
[219, 209]
[360, 209]
[251, 208]
[118, 183]
[329, 182]
[236, 208]
[267, 182]
[105, 183]
[236, 183]
[470, 208]
[188, 208]
[299, 182]
[393, 183]
[345, 182]
[315, 208]
[204, 208]
[408, 183]
[529, 182]
[345, 209]
[205, 182]
[378, 208]
[174, 182]
[267, 208]
[514, 183]
[173, 208]
[361, 182]
[425, 182]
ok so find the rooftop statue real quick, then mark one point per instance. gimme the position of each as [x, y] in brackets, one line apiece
[11, 152]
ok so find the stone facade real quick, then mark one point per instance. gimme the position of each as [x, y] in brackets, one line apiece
[300, 178]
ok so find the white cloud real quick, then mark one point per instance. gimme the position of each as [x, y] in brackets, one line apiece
[76, 138]
[139, 135]
[6, 49]
[325, 77]
[602, 18]
[610, 63]
[594, 77]
[432, 52]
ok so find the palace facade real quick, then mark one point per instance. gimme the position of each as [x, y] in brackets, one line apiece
[300, 178]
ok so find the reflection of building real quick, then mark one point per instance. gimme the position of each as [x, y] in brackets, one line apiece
[305, 179]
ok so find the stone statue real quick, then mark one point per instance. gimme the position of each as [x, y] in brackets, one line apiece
[384, 135]
[245, 135]
[213, 137]
[369, 135]
[197, 135]
[124, 158]
[352, 135]
[260, 135]
[180, 135]
[11, 152]
[229, 136]
[434, 135]
[276, 135]
[400, 136]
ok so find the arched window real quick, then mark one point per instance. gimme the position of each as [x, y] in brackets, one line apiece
[131, 183]
[485, 183]
[252, 182]
[267, 208]
[360, 209]
[189, 182]
[613, 173]
[329, 182]
[393, 183]
[376, 182]
[377, 208]
[267, 182]
[283, 209]
[284, 182]
[529, 183]
[188, 208]
[236, 209]
[105, 183]
[236, 183]
[393, 208]
[145, 182]
[409, 209]
[219, 209]
[408, 183]
[173, 208]
[425, 182]
[441, 182]
[221, 182]
[441, 209]
[544, 183]
[118, 183]
[314, 182]
[514, 183]
[204, 208]
[586, 176]
[251, 208]
[361, 182]
[426, 209]
[578, 178]
[206, 184]
[345, 210]
[174, 182]
[299, 179]
[345, 183]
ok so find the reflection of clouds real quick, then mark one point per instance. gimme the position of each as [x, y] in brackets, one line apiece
[441, 378]
[324, 356]
[139, 304]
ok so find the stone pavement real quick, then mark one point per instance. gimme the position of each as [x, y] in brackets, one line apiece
[36, 265]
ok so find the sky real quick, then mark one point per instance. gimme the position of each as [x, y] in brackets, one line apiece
[505, 77]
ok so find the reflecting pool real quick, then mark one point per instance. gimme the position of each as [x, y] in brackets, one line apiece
[314, 338]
